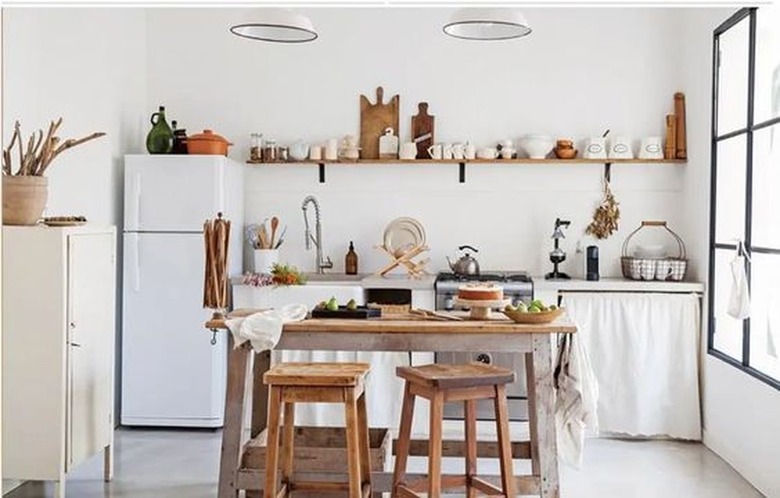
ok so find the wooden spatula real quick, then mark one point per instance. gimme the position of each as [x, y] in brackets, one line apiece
[274, 226]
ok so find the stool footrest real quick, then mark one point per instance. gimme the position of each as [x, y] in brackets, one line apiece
[485, 487]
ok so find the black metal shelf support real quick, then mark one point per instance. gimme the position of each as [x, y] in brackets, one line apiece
[462, 172]
[608, 172]
[322, 172]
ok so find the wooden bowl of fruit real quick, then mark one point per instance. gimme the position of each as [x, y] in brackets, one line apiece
[534, 313]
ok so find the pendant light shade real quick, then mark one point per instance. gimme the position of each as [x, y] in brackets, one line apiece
[277, 25]
[487, 24]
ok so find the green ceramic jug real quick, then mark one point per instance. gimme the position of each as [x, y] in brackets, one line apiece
[160, 137]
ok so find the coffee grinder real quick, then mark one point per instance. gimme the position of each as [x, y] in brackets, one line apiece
[557, 255]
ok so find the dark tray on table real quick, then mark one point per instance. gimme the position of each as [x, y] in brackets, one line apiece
[361, 312]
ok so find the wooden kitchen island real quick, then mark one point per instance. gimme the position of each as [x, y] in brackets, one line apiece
[388, 334]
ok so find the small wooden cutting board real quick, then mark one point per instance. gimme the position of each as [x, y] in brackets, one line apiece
[422, 124]
[374, 119]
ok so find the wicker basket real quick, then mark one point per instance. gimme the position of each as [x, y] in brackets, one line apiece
[654, 268]
[534, 318]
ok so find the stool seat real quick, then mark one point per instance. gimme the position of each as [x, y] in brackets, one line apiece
[317, 374]
[445, 376]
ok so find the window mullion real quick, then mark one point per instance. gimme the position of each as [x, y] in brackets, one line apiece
[749, 172]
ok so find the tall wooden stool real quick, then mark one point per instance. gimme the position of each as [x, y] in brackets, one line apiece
[291, 383]
[440, 383]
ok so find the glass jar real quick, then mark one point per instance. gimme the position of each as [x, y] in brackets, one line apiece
[270, 151]
[255, 149]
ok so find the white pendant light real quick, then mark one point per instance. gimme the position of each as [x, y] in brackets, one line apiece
[277, 25]
[487, 24]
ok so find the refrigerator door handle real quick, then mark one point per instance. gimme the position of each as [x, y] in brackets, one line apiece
[135, 202]
[134, 258]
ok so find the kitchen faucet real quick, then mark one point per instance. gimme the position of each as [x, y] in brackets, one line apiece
[317, 240]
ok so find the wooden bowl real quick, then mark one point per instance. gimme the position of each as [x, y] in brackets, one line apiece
[565, 153]
[534, 318]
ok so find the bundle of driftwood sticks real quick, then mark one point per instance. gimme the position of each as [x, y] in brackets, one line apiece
[40, 151]
[216, 234]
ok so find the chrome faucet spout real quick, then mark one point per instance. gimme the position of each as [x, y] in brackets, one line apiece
[317, 238]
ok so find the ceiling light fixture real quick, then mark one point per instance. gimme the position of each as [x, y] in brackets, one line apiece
[277, 25]
[487, 24]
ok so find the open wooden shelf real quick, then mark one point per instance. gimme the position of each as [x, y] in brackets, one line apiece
[463, 162]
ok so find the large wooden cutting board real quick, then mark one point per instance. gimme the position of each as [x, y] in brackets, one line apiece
[422, 123]
[374, 118]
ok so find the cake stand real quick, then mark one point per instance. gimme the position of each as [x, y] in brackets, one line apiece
[481, 309]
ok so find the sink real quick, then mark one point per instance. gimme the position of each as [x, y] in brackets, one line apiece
[246, 296]
[332, 278]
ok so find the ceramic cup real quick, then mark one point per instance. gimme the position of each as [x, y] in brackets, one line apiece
[265, 259]
[435, 151]
[487, 153]
[507, 152]
[663, 269]
[446, 151]
[651, 148]
[408, 151]
[332, 149]
[458, 151]
[315, 152]
[647, 269]
[469, 151]
[596, 148]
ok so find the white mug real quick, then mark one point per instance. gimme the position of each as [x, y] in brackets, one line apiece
[446, 151]
[435, 151]
[469, 151]
[507, 152]
[651, 148]
[663, 269]
[332, 149]
[408, 151]
[596, 148]
[457, 151]
[487, 153]
[647, 269]
[315, 152]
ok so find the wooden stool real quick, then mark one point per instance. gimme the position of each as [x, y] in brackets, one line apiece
[291, 383]
[441, 383]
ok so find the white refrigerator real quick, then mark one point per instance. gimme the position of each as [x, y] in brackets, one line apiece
[172, 375]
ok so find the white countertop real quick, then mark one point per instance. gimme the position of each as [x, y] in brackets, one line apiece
[616, 285]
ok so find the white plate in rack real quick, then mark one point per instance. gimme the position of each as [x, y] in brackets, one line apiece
[403, 235]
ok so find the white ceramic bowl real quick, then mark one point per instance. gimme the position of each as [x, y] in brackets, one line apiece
[650, 251]
[537, 146]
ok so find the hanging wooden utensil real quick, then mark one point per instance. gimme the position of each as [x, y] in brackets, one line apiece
[274, 226]
[374, 119]
[216, 234]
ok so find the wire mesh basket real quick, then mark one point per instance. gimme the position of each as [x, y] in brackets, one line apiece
[654, 268]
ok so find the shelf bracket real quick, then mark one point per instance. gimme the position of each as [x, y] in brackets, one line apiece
[608, 172]
[462, 172]
[322, 172]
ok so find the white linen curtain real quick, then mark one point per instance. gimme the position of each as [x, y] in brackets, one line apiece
[644, 350]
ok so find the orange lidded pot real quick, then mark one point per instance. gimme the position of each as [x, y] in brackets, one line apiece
[208, 143]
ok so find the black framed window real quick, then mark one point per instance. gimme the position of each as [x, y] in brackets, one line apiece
[745, 189]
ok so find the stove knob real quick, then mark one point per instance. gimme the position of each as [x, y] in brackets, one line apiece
[483, 358]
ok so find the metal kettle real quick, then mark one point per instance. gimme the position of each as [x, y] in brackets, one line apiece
[466, 264]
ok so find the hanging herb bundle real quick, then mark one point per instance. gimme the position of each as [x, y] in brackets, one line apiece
[605, 219]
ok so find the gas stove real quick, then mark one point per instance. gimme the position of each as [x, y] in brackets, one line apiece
[517, 286]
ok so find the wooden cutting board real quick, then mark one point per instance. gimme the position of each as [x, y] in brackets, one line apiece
[374, 118]
[422, 124]
[679, 112]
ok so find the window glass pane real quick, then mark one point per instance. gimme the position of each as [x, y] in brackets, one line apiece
[765, 314]
[733, 78]
[730, 190]
[767, 98]
[728, 330]
[766, 187]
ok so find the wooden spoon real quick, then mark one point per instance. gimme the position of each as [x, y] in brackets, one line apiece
[274, 226]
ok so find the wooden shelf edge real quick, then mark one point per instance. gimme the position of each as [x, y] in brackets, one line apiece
[477, 161]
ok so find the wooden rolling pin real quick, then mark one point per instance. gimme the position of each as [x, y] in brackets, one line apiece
[670, 149]
[679, 112]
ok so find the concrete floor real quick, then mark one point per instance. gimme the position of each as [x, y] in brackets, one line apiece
[183, 464]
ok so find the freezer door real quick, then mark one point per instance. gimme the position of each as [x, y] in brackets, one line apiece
[178, 193]
[171, 373]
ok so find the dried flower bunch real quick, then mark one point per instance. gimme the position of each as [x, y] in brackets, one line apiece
[605, 219]
[40, 151]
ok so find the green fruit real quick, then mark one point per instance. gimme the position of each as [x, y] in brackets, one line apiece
[534, 309]
[351, 305]
[332, 305]
[321, 305]
[538, 303]
[521, 307]
[553, 307]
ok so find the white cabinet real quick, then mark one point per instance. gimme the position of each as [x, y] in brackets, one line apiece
[59, 295]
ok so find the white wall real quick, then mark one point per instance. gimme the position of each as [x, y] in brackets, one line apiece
[580, 72]
[739, 412]
[86, 65]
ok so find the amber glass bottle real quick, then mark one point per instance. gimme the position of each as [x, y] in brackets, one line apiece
[351, 261]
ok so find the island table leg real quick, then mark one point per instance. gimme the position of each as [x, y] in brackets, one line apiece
[544, 416]
[234, 418]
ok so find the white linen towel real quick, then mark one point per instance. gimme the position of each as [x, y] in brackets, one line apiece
[577, 399]
[264, 328]
[739, 299]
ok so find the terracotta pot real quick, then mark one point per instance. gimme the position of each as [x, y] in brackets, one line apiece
[24, 198]
[207, 142]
